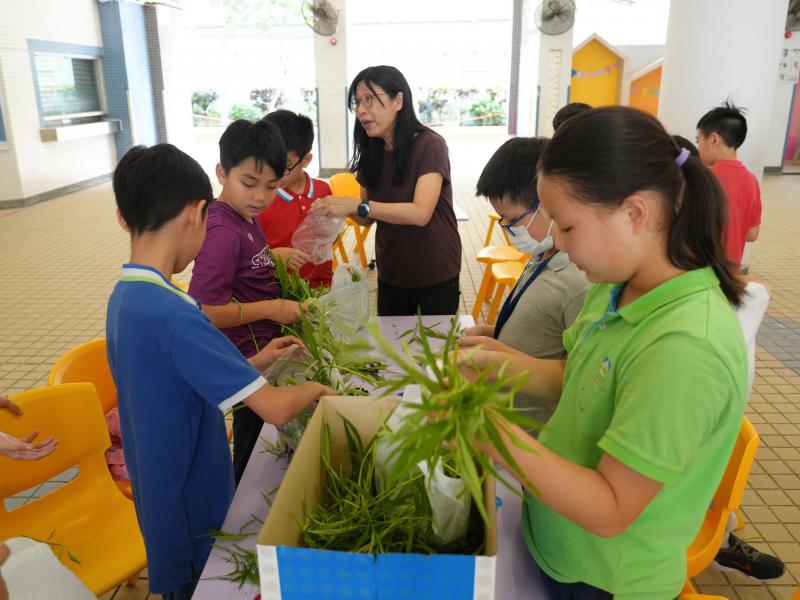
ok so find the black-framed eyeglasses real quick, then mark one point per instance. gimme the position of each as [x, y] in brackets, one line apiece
[507, 226]
[289, 169]
[365, 101]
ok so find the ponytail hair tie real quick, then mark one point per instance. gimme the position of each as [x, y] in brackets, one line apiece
[681, 158]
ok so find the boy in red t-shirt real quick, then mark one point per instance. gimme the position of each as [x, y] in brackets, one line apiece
[294, 198]
[719, 133]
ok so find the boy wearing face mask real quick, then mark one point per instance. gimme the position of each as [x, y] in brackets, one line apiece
[550, 292]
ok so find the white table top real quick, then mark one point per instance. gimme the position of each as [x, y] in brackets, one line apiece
[517, 574]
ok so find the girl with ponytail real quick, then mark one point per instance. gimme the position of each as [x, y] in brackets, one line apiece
[652, 394]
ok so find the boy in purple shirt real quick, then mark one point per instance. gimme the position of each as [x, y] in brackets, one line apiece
[233, 275]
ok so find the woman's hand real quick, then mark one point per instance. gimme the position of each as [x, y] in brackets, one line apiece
[337, 206]
[25, 449]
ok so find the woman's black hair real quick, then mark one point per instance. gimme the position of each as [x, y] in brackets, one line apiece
[512, 170]
[367, 151]
[606, 154]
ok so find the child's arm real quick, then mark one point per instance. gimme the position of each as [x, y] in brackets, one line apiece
[292, 257]
[280, 405]
[239, 313]
[752, 234]
[604, 501]
[480, 330]
[546, 376]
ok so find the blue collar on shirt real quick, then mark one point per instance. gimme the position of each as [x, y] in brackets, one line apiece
[145, 274]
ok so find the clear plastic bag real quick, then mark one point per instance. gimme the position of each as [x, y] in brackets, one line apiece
[316, 234]
[450, 503]
[348, 300]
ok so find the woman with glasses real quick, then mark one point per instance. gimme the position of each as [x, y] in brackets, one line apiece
[404, 171]
[550, 292]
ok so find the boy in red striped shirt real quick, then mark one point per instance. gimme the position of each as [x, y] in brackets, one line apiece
[294, 198]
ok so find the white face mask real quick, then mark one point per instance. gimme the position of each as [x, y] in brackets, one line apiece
[524, 242]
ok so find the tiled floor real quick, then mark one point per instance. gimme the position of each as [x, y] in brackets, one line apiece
[60, 260]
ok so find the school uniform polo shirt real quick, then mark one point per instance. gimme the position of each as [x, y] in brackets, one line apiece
[281, 219]
[175, 375]
[660, 385]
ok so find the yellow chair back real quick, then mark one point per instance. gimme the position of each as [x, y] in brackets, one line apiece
[88, 515]
[345, 184]
[87, 362]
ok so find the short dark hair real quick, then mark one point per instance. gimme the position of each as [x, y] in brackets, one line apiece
[567, 112]
[297, 130]
[727, 120]
[512, 170]
[153, 185]
[684, 143]
[262, 140]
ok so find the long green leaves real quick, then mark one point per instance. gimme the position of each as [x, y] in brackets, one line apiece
[293, 286]
[465, 411]
[355, 517]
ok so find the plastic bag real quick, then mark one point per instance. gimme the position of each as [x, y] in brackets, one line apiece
[291, 370]
[348, 300]
[316, 234]
[450, 503]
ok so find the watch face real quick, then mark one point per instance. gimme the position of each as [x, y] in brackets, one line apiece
[363, 209]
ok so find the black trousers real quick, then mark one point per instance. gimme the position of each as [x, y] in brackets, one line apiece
[246, 429]
[440, 299]
[571, 591]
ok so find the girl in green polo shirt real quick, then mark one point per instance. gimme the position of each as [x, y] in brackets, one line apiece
[652, 394]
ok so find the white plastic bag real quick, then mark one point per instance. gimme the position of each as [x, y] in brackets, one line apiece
[450, 502]
[348, 300]
[316, 234]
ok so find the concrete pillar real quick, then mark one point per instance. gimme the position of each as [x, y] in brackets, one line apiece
[332, 80]
[717, 51]
[543, 74]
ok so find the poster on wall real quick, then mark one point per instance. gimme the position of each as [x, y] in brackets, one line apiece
[789, 65]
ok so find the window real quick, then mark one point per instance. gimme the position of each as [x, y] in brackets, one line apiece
[68, 88]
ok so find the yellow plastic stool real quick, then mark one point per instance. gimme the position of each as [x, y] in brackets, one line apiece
[506, 274]
[345, 184]
[489, 256]
[88, 515]
[494, 218]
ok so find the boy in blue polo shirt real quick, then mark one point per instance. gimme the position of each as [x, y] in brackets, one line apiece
[176, 373]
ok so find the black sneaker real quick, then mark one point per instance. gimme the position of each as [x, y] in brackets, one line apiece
[741, 556]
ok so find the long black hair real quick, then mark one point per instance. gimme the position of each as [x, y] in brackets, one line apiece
[367, 151]
[606, 154]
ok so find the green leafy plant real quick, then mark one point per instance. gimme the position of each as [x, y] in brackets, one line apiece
[465, 410]
[293, 285]
[244, 111]
[357, 518]
[57, 548]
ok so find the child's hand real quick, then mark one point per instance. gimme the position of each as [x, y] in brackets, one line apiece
[5, 402]
[285, 312]
[295, 258]
[482, 342]
[24, 449]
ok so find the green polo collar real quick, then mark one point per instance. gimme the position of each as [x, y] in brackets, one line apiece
[676, 288]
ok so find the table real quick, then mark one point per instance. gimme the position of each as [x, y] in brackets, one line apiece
[517, 574]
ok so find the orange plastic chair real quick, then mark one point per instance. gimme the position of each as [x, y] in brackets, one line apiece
[727, 498]
[494, 218]
[694, 596]
[490, 255]
[89, 516]
[506, 274]
[345, 184]
[179, 285]
[88, 362]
